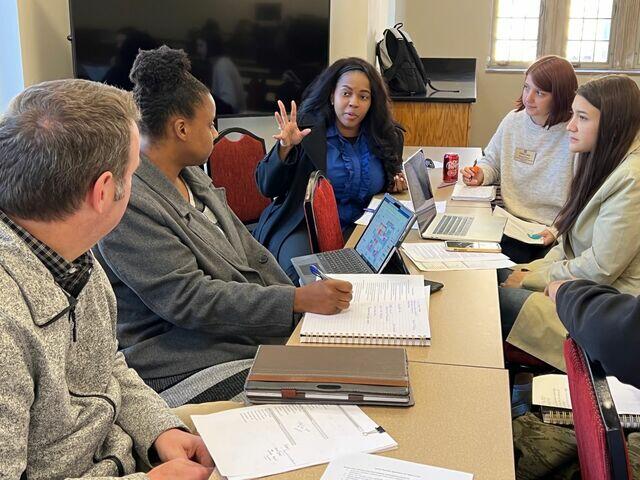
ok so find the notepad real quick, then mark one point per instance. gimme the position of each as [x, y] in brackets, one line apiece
[477, 194]
[551, 392]
[385, 310]
[520, 229]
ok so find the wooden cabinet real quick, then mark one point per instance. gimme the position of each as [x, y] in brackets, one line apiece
[434, 124]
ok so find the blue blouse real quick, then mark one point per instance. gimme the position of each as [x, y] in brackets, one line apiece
[355, 173]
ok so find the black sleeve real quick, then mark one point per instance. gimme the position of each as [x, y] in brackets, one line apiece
[605, 323]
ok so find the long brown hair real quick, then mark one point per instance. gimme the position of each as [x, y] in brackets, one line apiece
[618, 99]
[555, 75]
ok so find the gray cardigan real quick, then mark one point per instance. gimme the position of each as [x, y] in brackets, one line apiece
[189, 298]
[68, 408]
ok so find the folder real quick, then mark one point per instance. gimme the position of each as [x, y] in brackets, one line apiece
[329, 375]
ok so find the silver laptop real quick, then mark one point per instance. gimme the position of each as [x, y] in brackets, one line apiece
[387, 228]
[481, 228]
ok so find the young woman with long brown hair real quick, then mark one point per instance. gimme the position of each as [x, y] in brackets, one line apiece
[598, 225]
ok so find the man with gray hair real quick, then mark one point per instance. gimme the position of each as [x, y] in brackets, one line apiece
[69, 405]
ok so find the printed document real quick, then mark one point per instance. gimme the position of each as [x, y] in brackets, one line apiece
[552, 390]
[362, 466]
[519, 229]
[265, 440]
[433, 256]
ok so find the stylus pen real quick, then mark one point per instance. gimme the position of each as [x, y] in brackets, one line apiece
[317, 272]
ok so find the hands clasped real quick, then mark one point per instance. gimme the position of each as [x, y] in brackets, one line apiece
[183, 455]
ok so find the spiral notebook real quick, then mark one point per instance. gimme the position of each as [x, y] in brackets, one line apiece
[385, 310]
[551, 392]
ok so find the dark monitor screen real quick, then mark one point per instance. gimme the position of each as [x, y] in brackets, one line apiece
[250, 53]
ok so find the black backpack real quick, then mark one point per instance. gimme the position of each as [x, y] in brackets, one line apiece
[400, 64]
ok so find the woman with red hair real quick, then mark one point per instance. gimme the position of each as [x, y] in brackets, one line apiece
[529, 155]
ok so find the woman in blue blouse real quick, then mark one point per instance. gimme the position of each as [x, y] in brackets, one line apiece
[345, 129]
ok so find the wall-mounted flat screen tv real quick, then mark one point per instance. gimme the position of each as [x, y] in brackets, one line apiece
[250, 53]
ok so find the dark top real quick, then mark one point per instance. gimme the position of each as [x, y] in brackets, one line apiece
[605, 323]
[286, 182]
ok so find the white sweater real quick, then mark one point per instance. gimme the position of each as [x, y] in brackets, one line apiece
[531, 191]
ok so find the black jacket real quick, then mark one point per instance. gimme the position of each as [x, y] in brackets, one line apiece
[286, 183]
[606, 324]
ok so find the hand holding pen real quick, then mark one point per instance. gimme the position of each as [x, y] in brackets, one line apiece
[473, 175]
[327, 297]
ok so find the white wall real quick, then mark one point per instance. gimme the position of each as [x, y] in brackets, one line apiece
[11, 80]
[46, 52]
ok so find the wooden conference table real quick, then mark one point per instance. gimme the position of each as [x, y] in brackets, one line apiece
[461, 419]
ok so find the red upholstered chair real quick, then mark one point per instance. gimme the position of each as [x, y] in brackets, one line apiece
[514, 356]
[321, 214]
[232, 165]
[601, 445]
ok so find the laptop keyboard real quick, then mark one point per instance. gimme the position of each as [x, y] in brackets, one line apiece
[343, 261]
[453, 225]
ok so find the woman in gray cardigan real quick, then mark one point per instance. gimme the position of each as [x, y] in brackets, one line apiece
[196, 292]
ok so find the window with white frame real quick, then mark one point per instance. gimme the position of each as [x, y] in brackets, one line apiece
[592, 34]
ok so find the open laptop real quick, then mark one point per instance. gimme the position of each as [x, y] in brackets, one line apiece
[387, 228]
[481, 228]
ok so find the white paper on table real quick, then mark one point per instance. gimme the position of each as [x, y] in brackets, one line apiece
[449, 266]
[265, 440]
[427, 252]
[552, 390]
[519, 229]
[366, 217]
[476, 194]
[383, 305]
[373, 467]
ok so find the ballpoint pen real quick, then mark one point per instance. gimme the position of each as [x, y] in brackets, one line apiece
[313, 268]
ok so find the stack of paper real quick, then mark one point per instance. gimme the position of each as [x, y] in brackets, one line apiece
[265, 440]
[374, 467]
[519, 229]
[476, 194]
[368, 213]
[552, 390]
[430, 257]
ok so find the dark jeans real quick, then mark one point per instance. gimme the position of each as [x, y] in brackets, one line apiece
[295, 245]
[511, 302]
[520, 252]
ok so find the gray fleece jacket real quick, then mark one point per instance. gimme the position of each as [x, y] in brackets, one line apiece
[68, 408]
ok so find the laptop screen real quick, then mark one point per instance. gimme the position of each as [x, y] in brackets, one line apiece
[383, 233]
[415, 171]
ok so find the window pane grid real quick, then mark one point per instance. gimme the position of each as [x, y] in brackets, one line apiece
[516, 31]
[589, 31]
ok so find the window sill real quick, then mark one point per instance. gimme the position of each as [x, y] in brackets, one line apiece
[579, 71]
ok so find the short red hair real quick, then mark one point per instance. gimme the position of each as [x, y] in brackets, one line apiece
[555, 75]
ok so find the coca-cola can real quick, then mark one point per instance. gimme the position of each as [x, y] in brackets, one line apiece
[450, 167]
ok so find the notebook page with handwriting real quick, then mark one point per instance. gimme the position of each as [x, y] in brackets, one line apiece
[386, 309]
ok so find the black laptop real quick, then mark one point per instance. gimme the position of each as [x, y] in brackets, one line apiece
[386, 231]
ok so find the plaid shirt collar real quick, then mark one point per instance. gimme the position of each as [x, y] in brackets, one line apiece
[70, 276]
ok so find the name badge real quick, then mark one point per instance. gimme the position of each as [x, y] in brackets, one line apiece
[525, 156]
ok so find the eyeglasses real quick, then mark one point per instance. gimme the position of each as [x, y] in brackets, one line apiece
[429, 163]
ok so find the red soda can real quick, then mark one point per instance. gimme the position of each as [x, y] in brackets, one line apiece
[450, 168]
